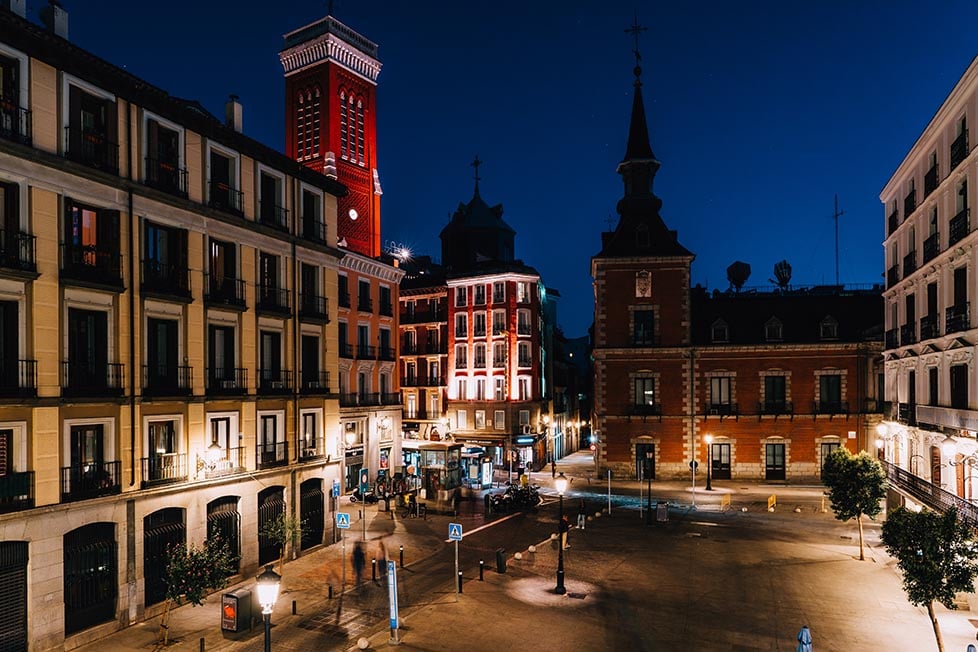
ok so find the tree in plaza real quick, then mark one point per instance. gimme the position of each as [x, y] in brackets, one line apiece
[856, 484]
[285, 530]
[937, 555]
[191, 572]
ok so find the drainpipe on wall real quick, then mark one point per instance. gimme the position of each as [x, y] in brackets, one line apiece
[132, 301]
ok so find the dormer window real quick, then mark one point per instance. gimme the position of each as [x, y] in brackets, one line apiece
[829, 328]
[773, 330]
[720, 332]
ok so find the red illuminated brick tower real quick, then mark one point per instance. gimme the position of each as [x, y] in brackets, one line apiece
[331, 120]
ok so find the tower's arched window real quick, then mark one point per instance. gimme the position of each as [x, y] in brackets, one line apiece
[344, 128]
[307, 124]
[359, 151]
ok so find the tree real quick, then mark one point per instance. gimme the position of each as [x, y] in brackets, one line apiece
[284, 530]
[856, 484]
[191, 573]
[937, 555]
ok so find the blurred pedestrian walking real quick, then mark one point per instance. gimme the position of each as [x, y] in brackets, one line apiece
[804, 640]
[582, 514]
[359, 560]
[563, 527]
[553, 468]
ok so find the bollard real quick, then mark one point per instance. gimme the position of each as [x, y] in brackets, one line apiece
[293, 607]
[373, 569]
[329, 594]
[482, 567]
[201, 644]
[460, 581]
[402, 556]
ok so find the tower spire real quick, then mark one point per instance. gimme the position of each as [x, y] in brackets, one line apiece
[476, 163]
[635, 30]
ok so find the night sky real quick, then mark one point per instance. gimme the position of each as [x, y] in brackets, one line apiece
[760, 112]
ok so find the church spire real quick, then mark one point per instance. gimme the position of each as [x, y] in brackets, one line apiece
[638, 149]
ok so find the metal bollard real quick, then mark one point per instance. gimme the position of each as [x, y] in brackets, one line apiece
[460, 581]
[482, 567]
[201, 644]
[402, 556]
[293, 607]
[329, 594]
[373, 569]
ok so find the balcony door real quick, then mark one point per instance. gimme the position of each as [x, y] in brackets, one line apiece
[87, 348]
[774, 462]
[310, 361]
[720, 461]
[9, 344]
[271, 356]
[161, 356]
[221, 342]
[87, 448]
[961, 291]
[959, 387]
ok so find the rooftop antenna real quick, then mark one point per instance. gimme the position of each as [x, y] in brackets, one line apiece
[836, 214]
[635, 30]
[476, 163]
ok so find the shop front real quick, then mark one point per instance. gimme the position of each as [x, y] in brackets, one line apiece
[530, 452]
[477, 467]
[441, 474]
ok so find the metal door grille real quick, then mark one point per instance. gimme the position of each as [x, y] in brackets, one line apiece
[162, 530]
[224, 522]
[13, 588]
[90, 576]
[271, 505]
[312, 504]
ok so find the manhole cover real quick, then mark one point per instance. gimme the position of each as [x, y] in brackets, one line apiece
[577, 596]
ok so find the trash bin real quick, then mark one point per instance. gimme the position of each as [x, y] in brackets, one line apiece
[662, 512]
[236, 611]
[500, 560]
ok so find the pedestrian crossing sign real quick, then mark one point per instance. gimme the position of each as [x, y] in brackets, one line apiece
[342, 520]
[455, 531]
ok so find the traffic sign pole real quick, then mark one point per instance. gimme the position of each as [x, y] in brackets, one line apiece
[455, 534]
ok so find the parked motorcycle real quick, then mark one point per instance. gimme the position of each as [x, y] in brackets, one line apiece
[369, 498]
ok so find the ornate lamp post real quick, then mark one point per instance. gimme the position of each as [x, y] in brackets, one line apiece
[561, 485]
[268, 583]
[708, 438]
[648, 477]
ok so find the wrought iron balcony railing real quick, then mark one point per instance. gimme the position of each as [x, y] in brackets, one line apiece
[15, 123]
[957, 318]
[224, 290]
[227, 381]
[345, 350]
[164, 468]
[274, 381]
[169, 280]
[314, 382]
[366, 352]
[344, 298]
[92, 264]
[390, 398]
[958, 227]
[907, 413]
[386, 309]
[776, 407]
[90, 480]
[386, 353]
[166, 176]
[908, 334]
[959, 149]
[166, 380]
[722, 409]
[892, 338]
[893, 222]
[310, 450]
[313, 229]
[930, 180]
[92, 378]
[928, 328]
[16, 491]
[224, 197]
[18, 379]
[348, 400]
[910, 263]
[830, 407]
[313, 307]
[273, 215]
[271, 454]
[419, 317]
[226, 461]
[17, 251]
[910, 203]
[364, 303]
[92, 148]
[892, 276]
[932, 246]
[273, 300]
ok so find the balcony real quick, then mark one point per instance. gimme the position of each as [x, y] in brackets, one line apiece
[19, 381]
[166, 176]
[314, 382]
[722, 409]
[930, 494]
[15, 123]
[410, 349]
[310, 450]
[92, 264]
[522, 329]
[274, 382]
[272, 454]
[92, 378]
[223, 197]
[165, 380]
[164, 468]
[930, 180]
[908, 334]
[872, 406]
[225, 461]
[348, 400]
[344, 299]
[386, 353]
[16, 491]
[892, 338]
[419, 317]
[386, 309]
[366, 352]
[893, 222]
[273, 215]
[645, 410]
[944, 417]
[932, 246]
[957, 318]
[479, 363]
[892, 276]
[390, 398]
[313, 307]
[958, 227]
[907, 413]
[910, 203]
[92, 149]
[224, 290]
[525, 361]
[227, 381]
[313, 230]
[17, 251]
[959, 149]
[273, 300]
[160, 279]
[910, 263]
[776, 408]
[928, 328]
[85, 481]
[364, 304]
[345, 350]
[830, 407]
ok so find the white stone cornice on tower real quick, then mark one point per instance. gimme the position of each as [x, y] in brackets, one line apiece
[329, 47]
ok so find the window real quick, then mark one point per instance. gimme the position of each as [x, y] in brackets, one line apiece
[363, 296]
[829, 328]
[775, 391]
[461, 361]
[165, 259]
[309, 444]
[498, 322]
[523, 326]
[386, 307]
[499, 354]
[932, 386]
[460, 297]
[431, 340]
[163, 356]
[523, 388]
[523, 354]
[959, 386]
[720, 392]
[363, 341]
[345, 125]
[223, 181]
[270, 367]
[14, 120]
[460, 420]
[719, 332]
[499, 389]
[311, 377]
[164, 157]
[312, 217]
[91, 243]
[222, 283]
[268, 279]
[461, 325]
[524, 417]
[523, 292]
[498, 292]
[480, 355]
[343, 290]
[773, 330]
[271, 202]
[307, 121]
[479, 324]
[499, 420]
[461, 389]
[433, 376]
[312, 304]
[480, 295]
[480, 419]
[88, 344]
[480, 389]
[830, 393]
[221, 357]
[643, 329]
[91, 134]
[644, 392]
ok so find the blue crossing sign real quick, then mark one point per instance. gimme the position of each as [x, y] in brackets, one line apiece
[336, 488]
[343, 520]
[454, 531]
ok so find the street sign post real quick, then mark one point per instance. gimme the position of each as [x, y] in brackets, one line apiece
[392, 596]
[455, 534]
[343, 523]
[343, 520]
[336, 488]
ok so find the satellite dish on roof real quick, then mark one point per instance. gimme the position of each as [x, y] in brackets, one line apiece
[737, 274]
[782, 272]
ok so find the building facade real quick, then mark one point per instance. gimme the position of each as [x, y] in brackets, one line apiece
[755, 386]
[931, 335]
[169, 373]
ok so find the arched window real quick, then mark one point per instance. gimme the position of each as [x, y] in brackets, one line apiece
[344, 128]
[307, 124]
[359, 152]
[773, 330]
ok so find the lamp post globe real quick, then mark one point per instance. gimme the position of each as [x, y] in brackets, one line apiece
[708, 438]
[561, 485]
[267, 585]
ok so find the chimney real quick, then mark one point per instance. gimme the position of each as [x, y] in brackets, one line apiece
[54, 17]
[232, 113]
[18, 7]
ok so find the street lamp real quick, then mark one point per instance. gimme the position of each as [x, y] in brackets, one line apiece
[708, 438]
[268, 582]
[648, 477]
[561, 485]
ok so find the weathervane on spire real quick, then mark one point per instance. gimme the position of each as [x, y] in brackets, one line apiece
[476, 163]
[635, 30]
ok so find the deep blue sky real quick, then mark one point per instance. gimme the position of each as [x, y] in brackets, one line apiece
[759, 112]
